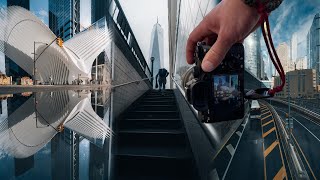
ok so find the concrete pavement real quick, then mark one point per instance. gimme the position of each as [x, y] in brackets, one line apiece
[13, 89]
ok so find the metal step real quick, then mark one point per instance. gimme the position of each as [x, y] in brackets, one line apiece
[150, 124]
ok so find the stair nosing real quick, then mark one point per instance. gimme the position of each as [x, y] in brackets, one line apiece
[151, 132]
[172, 119]
[152, 111]
[152, 156]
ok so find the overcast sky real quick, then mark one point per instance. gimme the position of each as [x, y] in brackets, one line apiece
[142, 15]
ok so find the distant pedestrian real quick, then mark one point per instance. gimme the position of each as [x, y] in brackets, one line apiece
[162, 74]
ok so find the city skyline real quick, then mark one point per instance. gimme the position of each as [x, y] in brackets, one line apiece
[290, 24]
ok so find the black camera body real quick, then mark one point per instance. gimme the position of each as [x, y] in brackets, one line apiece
[218, 95]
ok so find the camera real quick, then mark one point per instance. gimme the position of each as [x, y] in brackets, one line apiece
[218, 95]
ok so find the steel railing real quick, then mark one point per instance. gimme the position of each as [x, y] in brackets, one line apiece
[294, 161]
[131, 82]
[203, 125]
[301, 109]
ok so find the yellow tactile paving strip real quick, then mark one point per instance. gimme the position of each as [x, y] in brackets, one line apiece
[267, 120]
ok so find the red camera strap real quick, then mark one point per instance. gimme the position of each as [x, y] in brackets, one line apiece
[265, 27]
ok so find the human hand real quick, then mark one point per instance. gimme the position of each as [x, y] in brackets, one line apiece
[231, 21]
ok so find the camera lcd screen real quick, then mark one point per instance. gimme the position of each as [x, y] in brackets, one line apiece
[226, 88]
[227, 97]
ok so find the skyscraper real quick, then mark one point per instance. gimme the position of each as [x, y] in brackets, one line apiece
[99, 8]
[64, 17]
[294, 47]
[23, 3]
[283, 53]
[65, 156]
[253, 54]
[313, 44]
[11, 68]
[156, 49]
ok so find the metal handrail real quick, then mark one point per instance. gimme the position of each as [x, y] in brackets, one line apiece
[295, 161]
[194, 111]
[300, 109]
[131, 82]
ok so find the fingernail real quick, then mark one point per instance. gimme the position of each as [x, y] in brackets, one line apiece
[207, 66]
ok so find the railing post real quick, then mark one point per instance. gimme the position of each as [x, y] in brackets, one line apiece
[152, 78]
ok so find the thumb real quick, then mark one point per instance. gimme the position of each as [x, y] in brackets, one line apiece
[216, 54]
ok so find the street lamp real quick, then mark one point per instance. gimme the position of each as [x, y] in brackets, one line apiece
[152, 60]
[34, 60]
[34, 55]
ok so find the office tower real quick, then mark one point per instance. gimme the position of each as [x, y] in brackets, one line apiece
[23, 165]
[156, 49]
[23, 3]
[294, 47]
[65, 156]
[11, 68]
[253, 54]
[283, 54]
[313, 44]
[64, 18]
[99, 8]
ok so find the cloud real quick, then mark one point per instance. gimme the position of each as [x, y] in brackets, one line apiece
[304, 27]
[283, 17]
[43, 13]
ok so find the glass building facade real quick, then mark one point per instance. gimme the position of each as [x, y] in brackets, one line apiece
[99, 8]
[64, 17]
[313, 44]
[23, 3]
[11, 68]
[253, 62]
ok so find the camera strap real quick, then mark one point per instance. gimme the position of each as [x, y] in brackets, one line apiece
[265, 27]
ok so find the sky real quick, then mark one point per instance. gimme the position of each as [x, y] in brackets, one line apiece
[142, 15]
[40, 9]
[293, 16]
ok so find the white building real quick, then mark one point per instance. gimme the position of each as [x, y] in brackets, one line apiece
[302, 63]
[294, 47]
[57, 64]
[156, 49]
[283, 53]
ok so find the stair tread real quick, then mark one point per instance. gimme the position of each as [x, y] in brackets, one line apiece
[140, 111]
[156, 105]
[155, 119]
[159, 97]
[152, 143]
[161, 152]
[153, 131]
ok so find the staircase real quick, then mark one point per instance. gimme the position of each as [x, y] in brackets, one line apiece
[151, 141]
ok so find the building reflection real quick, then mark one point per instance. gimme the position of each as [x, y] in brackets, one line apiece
[31, 126]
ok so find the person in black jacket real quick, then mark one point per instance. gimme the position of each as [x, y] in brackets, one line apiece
[162, 74]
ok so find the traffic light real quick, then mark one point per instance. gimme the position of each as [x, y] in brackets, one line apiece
[60, 42]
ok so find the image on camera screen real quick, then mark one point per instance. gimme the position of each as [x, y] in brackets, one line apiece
[226, 89]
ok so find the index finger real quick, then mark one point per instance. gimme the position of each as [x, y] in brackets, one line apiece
[198, 34]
